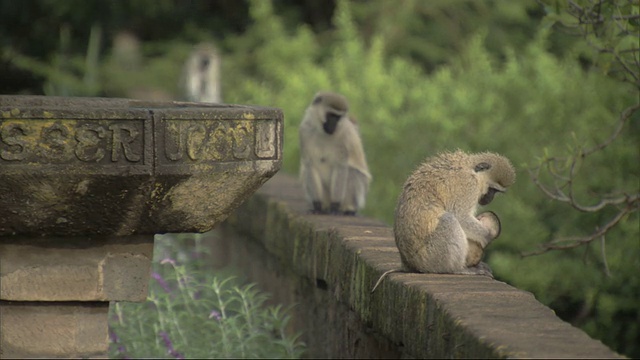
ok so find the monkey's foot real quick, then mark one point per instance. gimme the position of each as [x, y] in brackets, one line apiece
[317, 208]
[334, 208]
[482, 269]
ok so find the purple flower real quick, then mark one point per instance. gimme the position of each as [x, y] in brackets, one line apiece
[115, 316]
[167, 343]
[116, 340]
[161, 281]
[113, 336]
[122, 350]
[215, 314]
[197, 295]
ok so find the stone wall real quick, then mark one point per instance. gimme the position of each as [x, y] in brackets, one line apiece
[55, 292]
[85, 183]
[327, 265]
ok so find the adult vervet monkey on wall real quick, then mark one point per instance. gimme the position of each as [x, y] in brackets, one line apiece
[201, 74]
[333, 166]
[436, 227]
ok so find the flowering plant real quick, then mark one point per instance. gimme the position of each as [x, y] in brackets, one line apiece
[193, 313]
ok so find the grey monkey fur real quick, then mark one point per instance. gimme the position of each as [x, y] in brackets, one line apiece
[436, 228]
[333, 167]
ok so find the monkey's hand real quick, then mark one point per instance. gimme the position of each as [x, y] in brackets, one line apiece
[491, 222]
[475, 254]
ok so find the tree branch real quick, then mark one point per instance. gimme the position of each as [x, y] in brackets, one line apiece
[563, 171]
[576, 241]
[557, 194]
[624, 117]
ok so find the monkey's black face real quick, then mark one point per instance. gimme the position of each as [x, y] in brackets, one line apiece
[330, 123]
[204, 63]
[488, 197]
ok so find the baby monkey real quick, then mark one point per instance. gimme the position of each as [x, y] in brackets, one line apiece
[333, 167]
[436, 228]
[491, 222]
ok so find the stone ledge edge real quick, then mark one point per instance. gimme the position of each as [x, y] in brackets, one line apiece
[462, 316]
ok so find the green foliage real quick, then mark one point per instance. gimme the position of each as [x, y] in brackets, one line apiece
[430, 32]
[66, 74]
[522, 104]
[192, 313]
[106, 74]
[428, 76]
[610, 29]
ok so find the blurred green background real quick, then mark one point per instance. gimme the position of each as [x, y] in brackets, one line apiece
[514, 77]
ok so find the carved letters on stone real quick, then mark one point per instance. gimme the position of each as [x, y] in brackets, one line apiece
[68, 141]
[116, 167]
[121, 142]
[217, 141]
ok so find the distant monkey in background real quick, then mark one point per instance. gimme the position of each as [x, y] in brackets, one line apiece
[127, 51]
[333, 167]
[201, 77]
[436, 228]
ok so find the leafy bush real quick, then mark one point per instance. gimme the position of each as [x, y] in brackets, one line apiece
[528, 101]
[192, 313]
[525, 105]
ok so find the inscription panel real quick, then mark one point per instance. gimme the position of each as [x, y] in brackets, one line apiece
[67, 142]
[184, 142]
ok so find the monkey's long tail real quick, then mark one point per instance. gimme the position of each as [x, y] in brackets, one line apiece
[383, 276]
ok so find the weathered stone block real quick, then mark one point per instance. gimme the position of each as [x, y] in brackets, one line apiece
[91, 166]
[68, 269]
[48, 330]
[87, 182]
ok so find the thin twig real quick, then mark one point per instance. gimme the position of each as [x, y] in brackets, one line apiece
[576, 241]
[604, 256]
[624, 117]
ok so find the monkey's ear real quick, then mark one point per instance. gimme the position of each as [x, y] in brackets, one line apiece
[483, 166]
[317, 99]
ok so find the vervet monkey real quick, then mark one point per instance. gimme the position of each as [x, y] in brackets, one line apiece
[491, 222]
[333, 167]
[436, 229]
[127, 58]
[127, 51]
[201, 75]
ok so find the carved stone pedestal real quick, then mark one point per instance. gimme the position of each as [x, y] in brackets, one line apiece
[85, 183]
[56, 292]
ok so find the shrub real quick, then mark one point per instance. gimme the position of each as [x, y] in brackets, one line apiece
[192, 313]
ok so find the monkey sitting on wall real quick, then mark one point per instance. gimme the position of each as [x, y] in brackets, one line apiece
[201, 74]
[436, 229]
[333, 167]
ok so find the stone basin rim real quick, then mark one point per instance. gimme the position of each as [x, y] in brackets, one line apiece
[98, 102]
[75, 166]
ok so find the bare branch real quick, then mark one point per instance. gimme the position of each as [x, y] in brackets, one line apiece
[575, 241]
[557, 194]
[563, 171]
[624, 117]
[604, 257]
